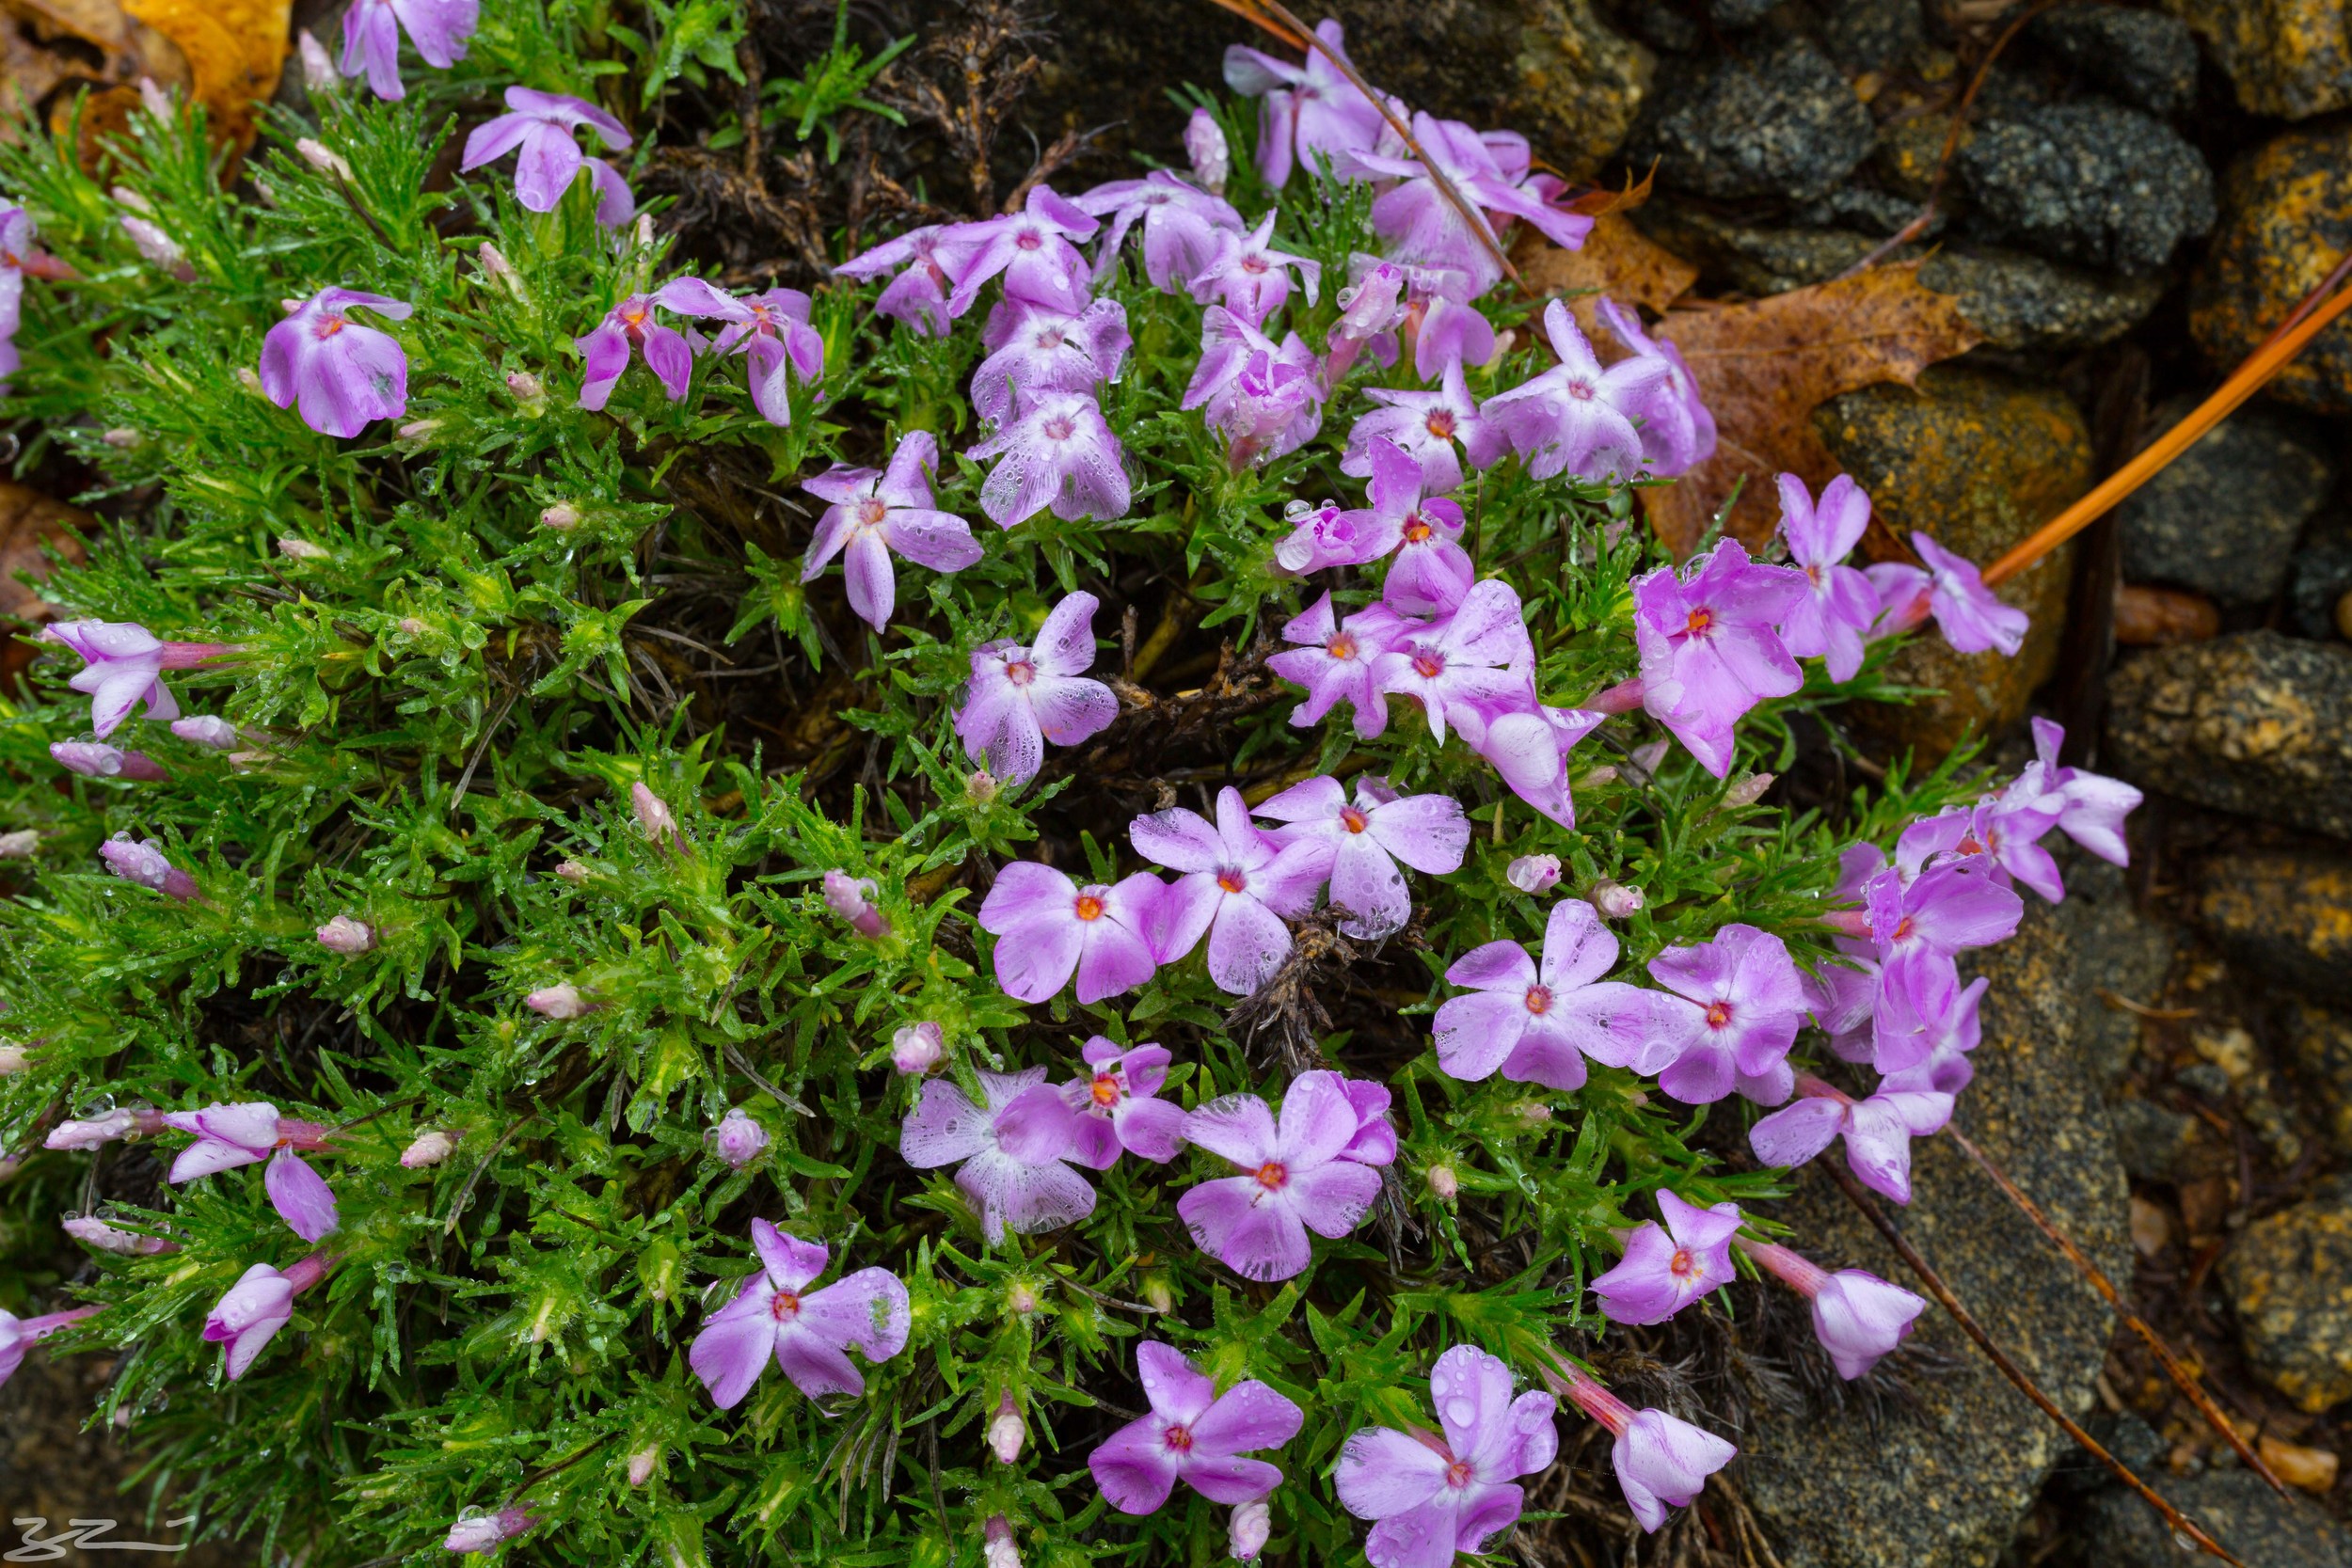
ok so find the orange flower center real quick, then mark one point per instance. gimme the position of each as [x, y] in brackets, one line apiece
[1019, 672]
[1717, 1014]
[1417, 529]
[1231, 880]
[328, 327]
[1341, 646]
[1107, 1091]
[1440, 423]
[871, 511]
[1428, 666]
[1178, 1439]
[1090, 907]
[785, 1307]
[1701, 619]
[1682, 1265]
[1539, 998]
[1354, 820]
[1274, 1175]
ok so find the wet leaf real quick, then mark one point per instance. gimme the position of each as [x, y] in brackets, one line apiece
[1616, 260]
[31, 526]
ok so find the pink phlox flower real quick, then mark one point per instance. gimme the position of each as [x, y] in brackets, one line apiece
[1425, 425]
[1528, 744]
[1308, 109]
[247, 1317]
[1952, 589]
[1251, 278]
[1114, 1106]
[1661, 1461]
[1022, 697]
[1236, 887]
[1372, 308]
[919, 295]
[1206, 150]
[877, 512]
[1042, 350]
[737, 1139]
[1537, 1021]
[122, 665]
[1488, 169]
[341, 373]
[1677, 428]
[1324, 534]
[1032, 249]
[1375, 1143]
[1016, 1173]
[630, 324]
[2091, 808]
[19, 1334]
[1429, 571]
[143, 862]
[770, 330]
[1858, 1317]
[227, 1136]
[1842, 997]
[372, 30]
[1573, 418]
[540, 126]
[1193, 1434]
[1708, 648]
[95, 759]
[1431, 1496]
[478, 1532]
[1668, 1267]
[1291, 1179]
[807, 1333]
[1479, 655]
[1265, 398]
[1838, 605]
[1362, 840]
[16, 251]
[2008, 834]
[1878, 1131]
[1333, 659]
[1742, 1001]
[1059, 451]
[1048, 928]
[1181, 222]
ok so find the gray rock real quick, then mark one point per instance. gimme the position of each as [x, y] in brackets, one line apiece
[1945, 1487]
[1781, 122]
[1738, 13]
[1873, 35]
[2320, 577]
[2121, 952]
[2289, 1277]
[2319, 1044]
[2153, 1142]
[1865, 207]
[2284, 914]
[2223, 516]
[2291, 57]
[2090, 181]
[2235, 1507]
[2258, 723]
[2146, 59]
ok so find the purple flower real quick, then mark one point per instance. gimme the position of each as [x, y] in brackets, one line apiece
[260, 1302]
[1293, 1177]
[1194, 1434]
[1251, 278]
[1709, 650]
[227, 1136]
[1022, 697]
[1375, 1143]
[1265, 398]
[2008, 833]
[1537, 1022]
[874, 513]
[1661, 1462]
[1572, 418]
[1490, 171]
[122, 665]
[1017, 1179]
[1534, 873]
[1038, 349]
[19, 1334]
[143, 862]
[2089, 808]
[562, 1003]
[919, 295]
[372, 30]
[341, 373]
[1479, 655]
[95, 759]
[476, 1533]
[1425, 425]
[1916, 929]
[1059, 451]
[1738, 1003]
[1031, 248]
[1429, 572]
[1667, 1268]
[1677, 430]
[737, 1139]
[1953, 590]
[1115, 1106]
[1205, 147]
[1237, 888]
[1360, 842]
[1048, 928]
[1308, 109]
[1878, 1131]
[1444, 327]
[1857, 1316]
[916, 1049]
[1433, 1496]
[606, 351]
[1180, 225]
[207, 730]
[1528, 745]
[1839, 604]
[770, 330]
[1334, 662]
[540, 125]
[16, 250]
[344, 935]
[808, 1333]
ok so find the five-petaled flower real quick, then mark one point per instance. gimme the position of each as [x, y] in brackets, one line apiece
[341, 373]
[1537, 1022]
[1362, 840]
[807, 1333]
[122, 665]
[875, 512]
[245, 1321]
[1194, 1434]
[1015, 1170]
[372, 30]
[770, 330]
[1736, 1003]
[1432, 1495]
[1295, 1176]
[1023, 695]
[227, 1136]
[1048, 928]
[1666, 1268]
[1060, 453]
[630, 324]
[1237, 887]
[540, 126]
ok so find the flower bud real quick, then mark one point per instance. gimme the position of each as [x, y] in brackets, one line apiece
[428, 1148]
[1646, 758]
[126, 196]
[476, 1532]
[573, 871]
[93, 1132]
[850, 899]
[1021, 1298]
[321, 157]
[1534, 873]
[1000, 1550]
[982, 786]
[1004, 1432]
[19, 844]
[560, 1002]
[302, 549]
[318, 69]
[641, 1463]
[1605, 774]
[1615, 900]
[417, 430]
[250, 380]
[563, 515]
[1749, 790]
[1245, 1535]
[1204, 144]
[916, 1047]
[346, 936]
[1444, 1184]
[143, 862]
[12, 1059]
[496, 267]
[122, 438]
[90, 759]
[206, 729]
[155, 245]
[1158, 1296]
[653, 818]
[527, 387]
[91, 1230]
[737, 1139]
[158, 102]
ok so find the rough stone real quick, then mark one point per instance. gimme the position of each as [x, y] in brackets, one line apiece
[2089, 181]
[1976, 460]
[2147, 58]
[2223, 516]
[2319, 1044]
[2236, 1507]
[2289, 1277]
[1738, 13]
[1780, 122]
[2286, 57]
[2286, 914]
[2286, 215]
[2154, 1143]
[2256, 723]
[1873, 35]
[2320, 576]
[2124, 953]
[1945, 1487]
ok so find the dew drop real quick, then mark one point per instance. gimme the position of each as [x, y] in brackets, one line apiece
[1460, 1412]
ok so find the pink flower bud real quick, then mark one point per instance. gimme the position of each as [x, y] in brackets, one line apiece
[1246, 1534]
[19, 844]
[561, 1003]
[302, 549]
[573, 871]
[318, 68]
[345, 935]
[95, 759]
[91, 1230]
[96, 1132]
[1534, 873]
[1748, 791]
[1444, 1184]
[417, 430]
[158, 102]
[1158, 1296]
[641, 1463]
[429, 1147]
[563, 515]
[12, 1059]
[1605, 774]
[321, 157]
[1000, 1550]
[1020, 1297]
[122, 438]
[982, 786]
[476, 1531]
[206, 729]
[133, 200]
[143, 863]
[1615, 900]
[1624, 697]
[737, 1139]
[251, 379]
[1004, 1432]
[495, 267]
[1204, 144]
[1646, 758]
[156, 246]
[653, 818]
[527, 387]
[850, 899]
[916, 1047]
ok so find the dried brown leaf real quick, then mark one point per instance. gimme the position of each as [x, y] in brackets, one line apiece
[1616, 260]
[33, 527]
